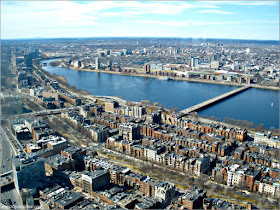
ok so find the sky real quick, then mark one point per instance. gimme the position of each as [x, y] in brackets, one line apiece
[183, 19]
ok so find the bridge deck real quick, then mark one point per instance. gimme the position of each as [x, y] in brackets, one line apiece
[6, 179]
[214, 100]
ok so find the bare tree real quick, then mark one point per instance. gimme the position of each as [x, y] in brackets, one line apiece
[261, 126]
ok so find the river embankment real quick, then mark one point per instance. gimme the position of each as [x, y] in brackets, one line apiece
[139, 74]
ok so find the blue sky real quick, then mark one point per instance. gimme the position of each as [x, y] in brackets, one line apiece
[183, 19]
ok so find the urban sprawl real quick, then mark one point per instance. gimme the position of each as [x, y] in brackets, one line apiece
[64, 148]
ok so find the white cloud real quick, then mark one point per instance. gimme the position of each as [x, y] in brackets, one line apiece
[168, 23]
[264, 21]
[45, 14]
[215, 11]
[132, 8]
[68, 18]
[244, 3]
[187, 23]
[33, 16]
[258, 3]
[101, 8]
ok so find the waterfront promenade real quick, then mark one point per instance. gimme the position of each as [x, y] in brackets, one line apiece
[212, 101]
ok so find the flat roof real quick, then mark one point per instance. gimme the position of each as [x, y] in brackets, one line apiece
[68, 199]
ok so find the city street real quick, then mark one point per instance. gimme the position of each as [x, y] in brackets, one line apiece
[7, 153]
[6, 165]
[178, 108]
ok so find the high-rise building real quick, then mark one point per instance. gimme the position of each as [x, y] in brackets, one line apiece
[101, 54]
[78, 64]
[29, 172]
[125, 52]
[194, 62]
[97, 65]
[107, 52]
[216, 57]
[138, 111]
[147, 68]
[109, 63]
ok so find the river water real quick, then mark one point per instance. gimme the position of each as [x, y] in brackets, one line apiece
[254, 105]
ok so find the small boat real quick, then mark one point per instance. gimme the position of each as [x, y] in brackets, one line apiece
[164, 78]
[271, 104]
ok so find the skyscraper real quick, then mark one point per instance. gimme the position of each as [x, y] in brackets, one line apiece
[147, 68]
[107, 52]
[194, 62]
[109, 63]
[97, 65]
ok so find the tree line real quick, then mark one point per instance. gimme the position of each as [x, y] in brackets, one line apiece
[243, 123]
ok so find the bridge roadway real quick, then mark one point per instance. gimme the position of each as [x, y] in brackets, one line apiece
[58, 111]
[6, 179]
[43, 112]
[212, 101]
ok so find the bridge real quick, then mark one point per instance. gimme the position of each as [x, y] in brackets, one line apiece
[47, 111]
[6, 179]
[58, 111]
[212, 101]
[42, 112]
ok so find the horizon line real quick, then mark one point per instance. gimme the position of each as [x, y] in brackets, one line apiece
[36, 38]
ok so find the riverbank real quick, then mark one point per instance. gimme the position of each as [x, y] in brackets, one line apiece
[266, 87]
[67, 72]
[154, 77]
[177, 94]
[174, 78]
[251, 131]
[61, 80]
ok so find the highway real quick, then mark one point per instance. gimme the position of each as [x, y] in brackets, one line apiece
[15, 143]
[46, 111]
[7, 153]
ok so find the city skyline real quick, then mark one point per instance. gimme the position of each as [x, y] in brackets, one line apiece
[257, 20]
[140, 105]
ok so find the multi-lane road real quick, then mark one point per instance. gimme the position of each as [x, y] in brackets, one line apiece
[6, 153]
[9, 195]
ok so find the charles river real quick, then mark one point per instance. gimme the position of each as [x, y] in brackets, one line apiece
[254, 105]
